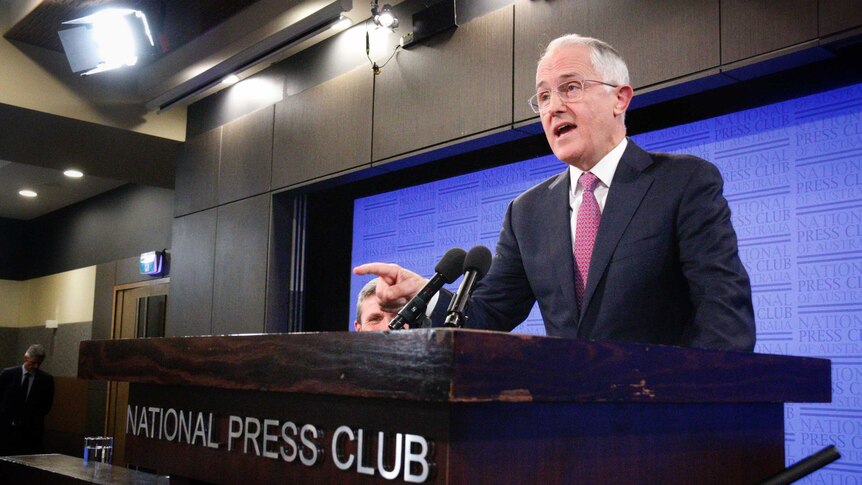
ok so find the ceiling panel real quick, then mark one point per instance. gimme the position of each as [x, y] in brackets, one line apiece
[55, 190]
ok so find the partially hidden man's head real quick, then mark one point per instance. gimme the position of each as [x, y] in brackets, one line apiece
[582, 94]
[33, 357]
[369, 316]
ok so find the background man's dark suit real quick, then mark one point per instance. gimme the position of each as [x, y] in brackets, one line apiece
[664, 270]
[28, 416]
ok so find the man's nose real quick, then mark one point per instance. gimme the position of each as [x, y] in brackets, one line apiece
[558, 104]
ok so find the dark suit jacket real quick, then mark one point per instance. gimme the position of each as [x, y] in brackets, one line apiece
[29, 416]
[665, 267]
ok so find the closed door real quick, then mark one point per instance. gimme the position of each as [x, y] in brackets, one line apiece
[139, 311]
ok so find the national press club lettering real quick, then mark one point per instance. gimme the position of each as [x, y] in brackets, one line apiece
[392, 456]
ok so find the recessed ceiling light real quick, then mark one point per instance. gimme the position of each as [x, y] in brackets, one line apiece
[75, 174]
[27, 193]
[230, 79]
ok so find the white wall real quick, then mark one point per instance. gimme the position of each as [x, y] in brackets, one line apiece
[66, 297]
[10, 302]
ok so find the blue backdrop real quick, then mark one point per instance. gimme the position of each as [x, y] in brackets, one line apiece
[793, 178]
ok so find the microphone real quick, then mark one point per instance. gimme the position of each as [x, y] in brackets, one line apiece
[476, 264]
[446, 271]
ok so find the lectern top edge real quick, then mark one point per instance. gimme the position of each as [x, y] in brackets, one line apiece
[455, 365]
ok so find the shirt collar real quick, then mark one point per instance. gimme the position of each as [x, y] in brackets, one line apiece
[605, 169]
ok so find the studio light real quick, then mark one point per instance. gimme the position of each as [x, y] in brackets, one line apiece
[109, 39]
[384, 17]
[27, 193]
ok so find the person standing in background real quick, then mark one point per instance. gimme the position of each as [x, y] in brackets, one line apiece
[26, 397]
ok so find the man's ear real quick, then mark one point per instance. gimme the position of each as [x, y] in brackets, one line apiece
[357, 326]
[624, 98]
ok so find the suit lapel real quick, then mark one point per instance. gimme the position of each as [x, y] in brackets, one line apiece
[628, 188]
[560, 244]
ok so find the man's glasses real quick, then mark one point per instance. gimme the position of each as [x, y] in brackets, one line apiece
[568, 91]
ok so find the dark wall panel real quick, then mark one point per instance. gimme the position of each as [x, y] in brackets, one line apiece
[103, 300]
[239, 292]
[192, 259]
[310, 67]
[61, 346]
[259, 91]
[837, 15]
[11, 249]
[118, 224]
[659, 39]
[283, 290]
[451, 86]
[8, 348]
[323, 130]
[246, 157]
[197, 173]
[753, 27]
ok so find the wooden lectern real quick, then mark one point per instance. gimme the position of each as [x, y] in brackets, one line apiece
[447, 406]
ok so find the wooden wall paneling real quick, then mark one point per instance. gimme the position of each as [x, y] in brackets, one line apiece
[239, 291]
[448, 87]
[837, 15]
[323, 130]
[659, 39]
[66, 424]
[69, 412]
[753, 27]
[259, 91]
[192, 260]
[197, 173]
[246, 156]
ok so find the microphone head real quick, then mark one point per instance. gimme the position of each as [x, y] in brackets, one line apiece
[479, 259]
[451, 264]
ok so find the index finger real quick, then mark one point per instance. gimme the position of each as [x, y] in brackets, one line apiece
[387, 271]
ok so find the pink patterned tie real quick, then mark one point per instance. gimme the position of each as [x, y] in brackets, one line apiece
[589, 217]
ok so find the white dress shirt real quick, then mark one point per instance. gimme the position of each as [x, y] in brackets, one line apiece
[604, 170]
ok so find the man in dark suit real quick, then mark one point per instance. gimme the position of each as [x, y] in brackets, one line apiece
[26, 396]
[624, 245]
